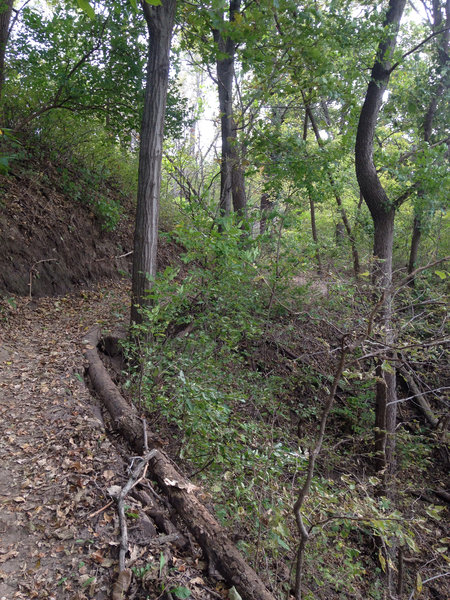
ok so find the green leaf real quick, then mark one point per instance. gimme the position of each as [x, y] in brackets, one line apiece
[154, 2]
[162, 562]
[386, 366]
[382, 561]
[133, 5]
[88, 581]
[441, 274]
[181, 592]
[233, 594]
[87, 8]
[419, 584]
[282, 543]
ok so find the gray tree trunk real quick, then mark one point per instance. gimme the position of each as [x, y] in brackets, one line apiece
[383, 214]
[5, 18]
[232, 188]
[160, 21]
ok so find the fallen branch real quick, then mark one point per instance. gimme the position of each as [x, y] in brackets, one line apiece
[114, 257]
[120, 499]
[182, 494]
[419, 397]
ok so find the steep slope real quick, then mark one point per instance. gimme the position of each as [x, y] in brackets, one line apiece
[52, 242]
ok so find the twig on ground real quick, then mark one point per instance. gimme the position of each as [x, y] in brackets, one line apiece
[97, 512]
[144, 427]
[136, 476]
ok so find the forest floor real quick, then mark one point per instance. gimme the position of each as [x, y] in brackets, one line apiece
[57, 462]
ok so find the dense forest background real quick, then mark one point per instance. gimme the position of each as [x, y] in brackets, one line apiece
[288, 257]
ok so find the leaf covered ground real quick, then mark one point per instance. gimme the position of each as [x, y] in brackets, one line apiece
[57, 463]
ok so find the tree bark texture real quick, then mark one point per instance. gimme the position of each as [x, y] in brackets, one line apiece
[182, 494]
[266, 206]
[414, 250]
[232, 189]
[160, 21]
[312, 211]
[5, 18]
[237, 178]
[382, 211]
[225, 72]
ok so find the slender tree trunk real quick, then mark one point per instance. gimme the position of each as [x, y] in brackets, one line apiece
[386, 394]
[232, 185]
[237, 179]
[383, 214]
[266, 205]
[225, 72]
[5, 18]
[160, 21]
[312, 210]
[414, 251]
[348, 227]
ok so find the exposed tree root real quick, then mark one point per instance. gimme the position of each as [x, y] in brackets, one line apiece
[182, 494]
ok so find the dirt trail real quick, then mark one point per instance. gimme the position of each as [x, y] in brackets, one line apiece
[55, 459]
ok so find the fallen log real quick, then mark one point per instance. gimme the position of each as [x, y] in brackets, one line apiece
[182, 494]
[125, 420]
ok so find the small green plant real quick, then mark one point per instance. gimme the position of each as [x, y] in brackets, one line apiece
[10, 149]
[180, 592]
[140, 572]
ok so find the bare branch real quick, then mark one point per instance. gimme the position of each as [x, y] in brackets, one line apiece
[423, 42]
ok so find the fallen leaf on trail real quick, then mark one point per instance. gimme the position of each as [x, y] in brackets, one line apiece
[121, 585]
[107, 562]
[97, 556]
[19, 499]
[64, 534]
[8, 555]
[108, 474]
[114, 491]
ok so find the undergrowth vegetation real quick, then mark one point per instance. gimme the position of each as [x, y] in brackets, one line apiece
[285, 357]
[237, 362]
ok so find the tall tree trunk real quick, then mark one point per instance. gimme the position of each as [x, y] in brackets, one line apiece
[266, 205]
[232, 189]
[383, 215]
[414, 250]
[442, 87]
[386, 394]
[237, 179]
[312, 211]
[5, 18]
[160, 21]
[225, 72]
